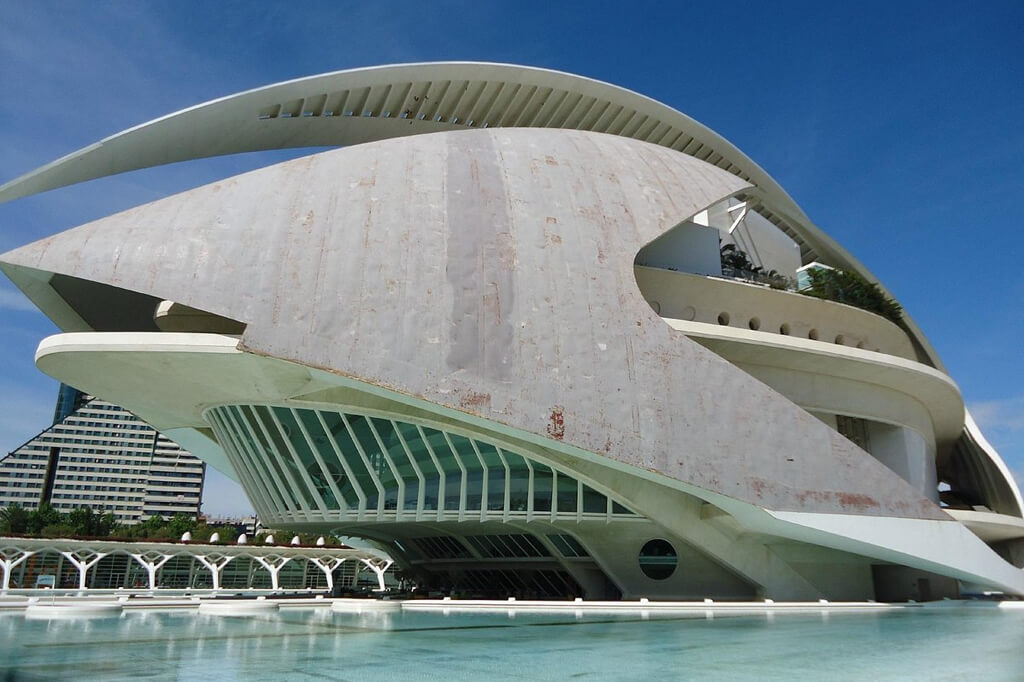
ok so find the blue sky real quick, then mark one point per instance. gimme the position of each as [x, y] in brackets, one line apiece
[898, 129]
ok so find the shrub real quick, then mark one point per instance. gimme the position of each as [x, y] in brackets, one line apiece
[850, 288]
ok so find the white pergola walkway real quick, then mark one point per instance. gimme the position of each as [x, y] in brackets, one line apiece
[84, 554]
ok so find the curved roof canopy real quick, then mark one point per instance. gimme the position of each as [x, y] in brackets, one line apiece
[367, 104]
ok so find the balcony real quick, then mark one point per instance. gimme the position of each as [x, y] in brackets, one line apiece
[751, 305]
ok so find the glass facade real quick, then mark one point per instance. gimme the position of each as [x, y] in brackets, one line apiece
[298, 464]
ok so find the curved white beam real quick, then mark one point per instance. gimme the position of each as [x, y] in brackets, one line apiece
[924, 385]
[360, 105]
[973, 432]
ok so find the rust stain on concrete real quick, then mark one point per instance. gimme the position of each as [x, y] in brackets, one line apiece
[556, 423]
[473, 399]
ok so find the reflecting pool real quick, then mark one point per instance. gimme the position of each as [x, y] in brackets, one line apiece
[954, 643]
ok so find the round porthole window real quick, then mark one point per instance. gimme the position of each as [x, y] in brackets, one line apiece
[658, 559]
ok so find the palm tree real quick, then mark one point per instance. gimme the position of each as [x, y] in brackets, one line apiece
[14, 519]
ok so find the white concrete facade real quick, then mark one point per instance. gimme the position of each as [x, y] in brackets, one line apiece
[456, 351]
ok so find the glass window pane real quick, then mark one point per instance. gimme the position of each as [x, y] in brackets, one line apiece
[361, 428]
[593, 501]
[567, 494]
[619, 509]
[285, 461]
[419, 452]
[474, 471]
[541, 488]
[396, 452]
[519, 484]
[495, 476]
[309, 466]
[453, 474]
[270, 457]
[335, 471]
[355, 462]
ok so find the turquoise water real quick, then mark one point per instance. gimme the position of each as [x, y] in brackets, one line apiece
[956, 643]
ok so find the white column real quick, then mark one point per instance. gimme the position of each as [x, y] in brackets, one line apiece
[152, 565]
[378, 570]
[214, 562]
[83, 565]
[273, 563]
[8, 564]
[327, 565]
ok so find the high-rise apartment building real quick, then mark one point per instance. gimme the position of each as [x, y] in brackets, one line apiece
[97, 454]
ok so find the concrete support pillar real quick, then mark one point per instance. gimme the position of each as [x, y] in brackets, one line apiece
[216, 563]
[83, 564]
[327, 564]
[273, 563]
[379, 568]
[9, 559]
[152, 562]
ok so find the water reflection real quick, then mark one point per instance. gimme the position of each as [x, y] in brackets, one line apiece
[317, 643]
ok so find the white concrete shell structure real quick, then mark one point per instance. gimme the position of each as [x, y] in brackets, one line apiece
[484, 335]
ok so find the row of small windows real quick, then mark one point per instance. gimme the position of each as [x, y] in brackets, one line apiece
[118, 488]
[304, 460]
[98, 507]
[173, 507]
[100, 433]
[119, 461]
[785, 329]
[122, 444]
[108, 479]
[175, 485]
[86, 496]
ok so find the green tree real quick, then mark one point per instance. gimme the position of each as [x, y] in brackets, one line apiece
[83, 521]
[155, 527]
[180, 524]
[87, 523]
[57, 530]
[40, 518]
[202, 533]
[14, 519]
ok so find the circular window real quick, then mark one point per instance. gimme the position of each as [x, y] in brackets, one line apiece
[784, 329]
[841, 340]
[813, 335]
[755, 323]
[658, 559]
[723, 318]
